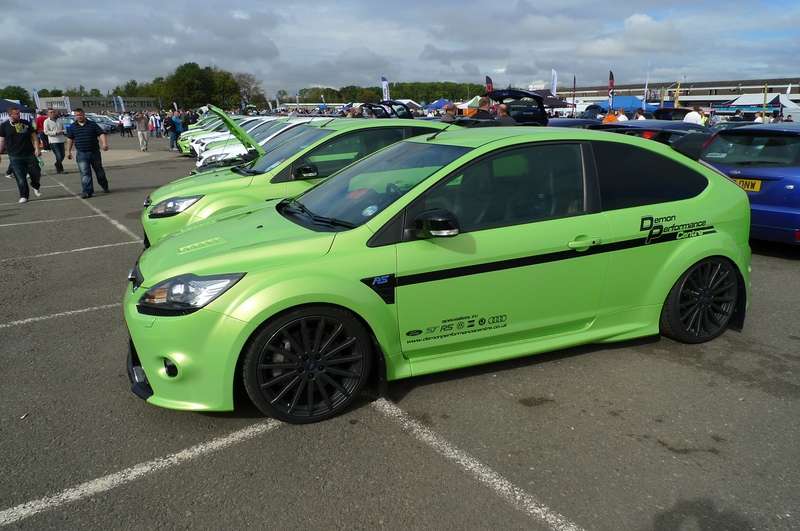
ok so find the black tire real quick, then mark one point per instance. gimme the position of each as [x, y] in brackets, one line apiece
[701, 303]
[308, 364]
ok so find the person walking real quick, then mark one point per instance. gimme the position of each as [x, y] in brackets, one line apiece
[142, 124]
[54, 129]
[19, 139]
[40, 118]
[127, 124]
[84, 135]
[170, 130]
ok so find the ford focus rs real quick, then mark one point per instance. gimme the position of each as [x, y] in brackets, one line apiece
[438, 252]
[307, 154]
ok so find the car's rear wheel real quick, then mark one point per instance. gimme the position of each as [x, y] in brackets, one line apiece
[308, 364]
[702, 302]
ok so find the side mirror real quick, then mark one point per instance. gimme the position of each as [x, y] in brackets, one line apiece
[306, 171]
[437, 223]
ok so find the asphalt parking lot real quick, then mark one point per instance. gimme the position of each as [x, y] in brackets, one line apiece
[641, 435]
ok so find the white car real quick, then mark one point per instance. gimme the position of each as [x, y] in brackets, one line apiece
[250, 127]
[220, 130]
[274, 132]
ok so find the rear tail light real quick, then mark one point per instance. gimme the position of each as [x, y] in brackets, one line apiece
[649, 135]
[797, 235]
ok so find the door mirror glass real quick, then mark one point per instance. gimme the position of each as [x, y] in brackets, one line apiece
[438, 223]
[306, 171]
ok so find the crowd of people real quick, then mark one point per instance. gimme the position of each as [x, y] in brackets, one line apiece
[149, 124]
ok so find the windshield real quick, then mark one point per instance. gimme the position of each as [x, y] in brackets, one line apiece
[754, 149]
[359, 192]
[268, 129]
[300, 138]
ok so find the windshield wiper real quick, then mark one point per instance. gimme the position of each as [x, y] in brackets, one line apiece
[316, 218]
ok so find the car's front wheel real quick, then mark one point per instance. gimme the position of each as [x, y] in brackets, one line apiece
[702, 302]
[308, 364]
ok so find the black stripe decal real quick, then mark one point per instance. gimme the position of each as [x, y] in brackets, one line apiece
[384, 285]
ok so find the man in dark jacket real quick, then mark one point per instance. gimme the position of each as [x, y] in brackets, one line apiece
[84, 135]
[483, 110]
[18, 138]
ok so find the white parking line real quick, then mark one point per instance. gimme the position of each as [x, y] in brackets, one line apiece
[112, 481]
[37, 201]
[59, 220]
[99, 212]
[59, 314]
[78, 250]
[483, 473]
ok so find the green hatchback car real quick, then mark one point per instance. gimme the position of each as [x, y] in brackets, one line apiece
[304, 156]
[438, 252]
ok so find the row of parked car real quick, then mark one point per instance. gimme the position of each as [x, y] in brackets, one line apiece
[764, 159]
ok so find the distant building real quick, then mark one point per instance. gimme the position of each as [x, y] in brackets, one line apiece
[101, 104]
[702, 93]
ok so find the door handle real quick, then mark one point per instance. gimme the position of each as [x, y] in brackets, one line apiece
[581, 243]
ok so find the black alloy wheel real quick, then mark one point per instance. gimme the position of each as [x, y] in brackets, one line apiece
[701, 304]
[308, 365]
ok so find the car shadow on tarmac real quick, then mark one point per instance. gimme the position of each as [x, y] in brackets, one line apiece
[398, 390]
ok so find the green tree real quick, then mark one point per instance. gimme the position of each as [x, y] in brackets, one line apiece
[15, 92]
[95, 93]
[225, 91]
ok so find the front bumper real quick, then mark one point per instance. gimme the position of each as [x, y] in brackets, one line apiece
[203, 347]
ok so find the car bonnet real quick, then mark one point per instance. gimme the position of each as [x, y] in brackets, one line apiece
[244, 241]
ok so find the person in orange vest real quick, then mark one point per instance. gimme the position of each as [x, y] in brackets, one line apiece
[610, 117]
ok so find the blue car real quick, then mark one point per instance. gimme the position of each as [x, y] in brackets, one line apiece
[765, 161]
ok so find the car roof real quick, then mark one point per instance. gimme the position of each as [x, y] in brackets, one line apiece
[343, 124]
[479, 136]
[782, 127]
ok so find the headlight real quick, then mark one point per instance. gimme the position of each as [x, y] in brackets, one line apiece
[172, 206]
[214, 158]
[185, 294]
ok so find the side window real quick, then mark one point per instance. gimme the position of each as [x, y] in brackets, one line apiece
[512, 187]
[350, 147]
[631, 176]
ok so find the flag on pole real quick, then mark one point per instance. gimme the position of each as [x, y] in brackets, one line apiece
[644, 97]
[385, 88]
[489, 85]
[677, 98]
[789, 89]
[67, 105]
[610, 90]
[574, 82]
[36, 99]
[553, 81]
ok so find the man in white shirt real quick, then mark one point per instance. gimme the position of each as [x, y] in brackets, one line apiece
[694, 117]
[621, 116]
[640, 114]
[54, 129]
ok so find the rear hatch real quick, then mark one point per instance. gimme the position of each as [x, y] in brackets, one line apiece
[764, 161]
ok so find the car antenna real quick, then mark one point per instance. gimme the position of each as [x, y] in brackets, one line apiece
[439, 131]
[326, 123]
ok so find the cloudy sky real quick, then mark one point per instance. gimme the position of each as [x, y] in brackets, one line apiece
[46, 43]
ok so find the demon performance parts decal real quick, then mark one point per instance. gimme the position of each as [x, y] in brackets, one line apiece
[457, 326]
[665, 229]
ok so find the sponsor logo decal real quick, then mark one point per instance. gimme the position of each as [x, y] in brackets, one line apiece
[458, 326]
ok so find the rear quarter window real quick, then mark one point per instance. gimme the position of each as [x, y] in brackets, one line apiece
[630, 176]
